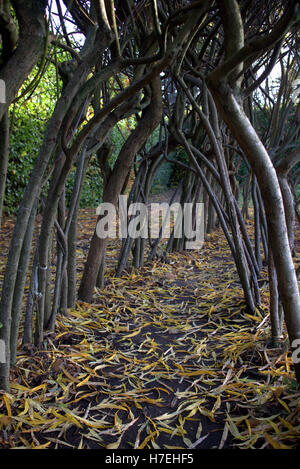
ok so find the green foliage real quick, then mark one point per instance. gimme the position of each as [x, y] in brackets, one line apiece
[28, 122]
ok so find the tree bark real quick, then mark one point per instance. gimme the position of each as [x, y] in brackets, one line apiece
[149, 121]
[268, 183]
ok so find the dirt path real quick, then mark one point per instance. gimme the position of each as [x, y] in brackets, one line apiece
[165, 358]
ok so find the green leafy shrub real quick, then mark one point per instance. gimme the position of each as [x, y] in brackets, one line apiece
[178, 171]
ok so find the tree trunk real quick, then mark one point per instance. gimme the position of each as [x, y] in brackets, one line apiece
[32, 44]
[261, 163]
[4, 152]
[31, 194]
[149, 121]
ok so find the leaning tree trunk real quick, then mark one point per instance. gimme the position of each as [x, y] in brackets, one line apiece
[283, 170]
[4, 151]
[149, 121]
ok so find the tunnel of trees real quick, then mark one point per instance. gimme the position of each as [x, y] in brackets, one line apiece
[100, 95]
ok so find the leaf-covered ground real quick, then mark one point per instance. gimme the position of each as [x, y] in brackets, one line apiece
[167, 357]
